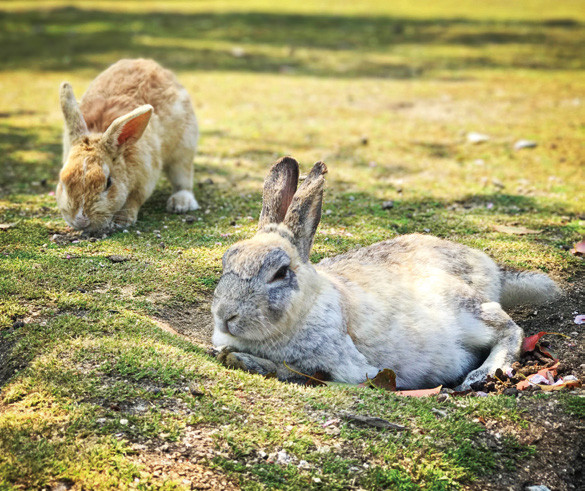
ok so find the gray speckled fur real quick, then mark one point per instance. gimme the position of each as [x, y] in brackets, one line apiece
[425, 307]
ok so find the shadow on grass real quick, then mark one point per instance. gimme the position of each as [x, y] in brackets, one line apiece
[41, 165]
[71, 37]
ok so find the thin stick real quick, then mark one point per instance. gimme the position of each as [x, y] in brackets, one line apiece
[322, 382]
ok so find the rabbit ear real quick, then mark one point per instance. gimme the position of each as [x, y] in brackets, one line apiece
[279, 188]
[304, 213]
[127, 129]
[74, 121]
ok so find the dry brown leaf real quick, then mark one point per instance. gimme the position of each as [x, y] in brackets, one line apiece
[385, 379]
[579, 249]
[420, 392]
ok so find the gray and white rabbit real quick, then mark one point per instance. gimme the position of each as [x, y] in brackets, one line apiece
[429, 309]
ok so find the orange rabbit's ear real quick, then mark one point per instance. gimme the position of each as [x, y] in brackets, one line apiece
[127, 129]
[74, 121]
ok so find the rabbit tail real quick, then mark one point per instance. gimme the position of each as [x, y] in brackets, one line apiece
[526, 288]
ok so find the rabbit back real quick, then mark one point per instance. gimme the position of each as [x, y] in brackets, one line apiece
[414, 304]
[128, 84]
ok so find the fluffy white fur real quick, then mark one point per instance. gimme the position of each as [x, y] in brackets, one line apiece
[425, 307]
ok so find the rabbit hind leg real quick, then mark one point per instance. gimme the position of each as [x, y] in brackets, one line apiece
[506, 349]
[179, 170]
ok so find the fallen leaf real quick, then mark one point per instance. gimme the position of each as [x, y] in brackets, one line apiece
[578, 249]
[371, 421]
[570, 384]
[419, 392]
[542, 376]
[385, 379]
[529, 343]
[507, 229]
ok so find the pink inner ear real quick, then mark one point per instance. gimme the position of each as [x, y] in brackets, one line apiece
[288, 194]
[134, 128]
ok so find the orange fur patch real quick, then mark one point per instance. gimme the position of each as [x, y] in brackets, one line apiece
[125, 86]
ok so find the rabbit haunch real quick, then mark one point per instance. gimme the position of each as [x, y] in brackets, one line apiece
[425, 307]
[134, 121]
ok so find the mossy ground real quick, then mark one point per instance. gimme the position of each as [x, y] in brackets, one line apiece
[95, 394]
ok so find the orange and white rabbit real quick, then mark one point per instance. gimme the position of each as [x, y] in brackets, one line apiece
[134, 121]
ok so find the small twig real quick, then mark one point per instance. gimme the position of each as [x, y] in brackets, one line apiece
[304, 374]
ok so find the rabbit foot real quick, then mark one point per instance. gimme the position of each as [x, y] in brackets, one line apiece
[472, 378]
[182, 202]
[123, 219]
[250, 364]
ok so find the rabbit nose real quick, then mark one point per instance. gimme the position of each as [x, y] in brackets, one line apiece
[80, 221]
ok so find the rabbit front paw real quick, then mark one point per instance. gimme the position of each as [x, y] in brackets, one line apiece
[182, 202]
[124, 218]
[248, 363]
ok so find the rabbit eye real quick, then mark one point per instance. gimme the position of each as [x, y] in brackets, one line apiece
[280, 274]
[108, 183]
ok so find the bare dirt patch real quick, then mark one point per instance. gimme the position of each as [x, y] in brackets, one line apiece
[185, 461]
[193, 322]
[557, 437]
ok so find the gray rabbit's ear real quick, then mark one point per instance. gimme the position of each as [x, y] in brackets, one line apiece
[304, 213]
[279, 189]
[74, 121]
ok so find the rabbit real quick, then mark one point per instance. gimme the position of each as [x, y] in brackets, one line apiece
[134, 120]
[429, 309]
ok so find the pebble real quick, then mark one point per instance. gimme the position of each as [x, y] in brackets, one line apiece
[538, 487]
[189, 219]
[442, 397]
[196, 390]
[387, 205]
[115, 258]
[520, 144]
[283, 458]
[474, 137]
[124, 422]
[100, 421]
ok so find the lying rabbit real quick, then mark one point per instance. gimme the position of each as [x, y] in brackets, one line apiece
[134, 121]
[429, 309]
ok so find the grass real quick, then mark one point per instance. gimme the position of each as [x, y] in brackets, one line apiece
[385, 94]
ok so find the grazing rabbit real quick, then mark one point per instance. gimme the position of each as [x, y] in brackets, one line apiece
[429, 309]
[134, 121]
